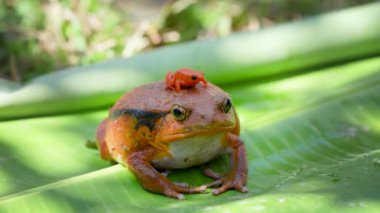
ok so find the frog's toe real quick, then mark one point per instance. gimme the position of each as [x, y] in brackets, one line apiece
[190, 189]
[227, 183]
[220, 190]
[211, 173]
[174, 194]
[242, 189]
[180, 197]
[214, 184]
[230, 185]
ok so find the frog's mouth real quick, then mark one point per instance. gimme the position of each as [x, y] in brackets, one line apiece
[195, 131]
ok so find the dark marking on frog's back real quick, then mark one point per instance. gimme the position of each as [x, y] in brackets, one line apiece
[144, 118]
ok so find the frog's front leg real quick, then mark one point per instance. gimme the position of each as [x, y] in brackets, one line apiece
[152, 180]
[178, 84]
[237, 177]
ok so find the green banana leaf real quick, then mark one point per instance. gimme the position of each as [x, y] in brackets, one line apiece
[312, 142]
[299, 46]
[312, 136]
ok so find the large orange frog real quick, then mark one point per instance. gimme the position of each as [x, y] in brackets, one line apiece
[153, 127]
[184, 78]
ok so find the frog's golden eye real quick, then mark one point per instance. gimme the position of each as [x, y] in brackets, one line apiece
[179, 113]
[226, 105]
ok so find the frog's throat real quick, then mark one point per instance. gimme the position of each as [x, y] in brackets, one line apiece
[204, 131]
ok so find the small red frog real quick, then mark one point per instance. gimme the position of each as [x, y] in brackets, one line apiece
[184, 78]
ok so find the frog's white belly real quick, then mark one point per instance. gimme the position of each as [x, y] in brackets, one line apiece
[192, 151]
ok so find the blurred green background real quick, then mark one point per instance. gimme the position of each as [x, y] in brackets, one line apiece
[40, 36]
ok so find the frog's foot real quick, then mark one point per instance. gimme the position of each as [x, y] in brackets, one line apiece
[237, 177]
[152, 180]
[226, 183]
[182, 187]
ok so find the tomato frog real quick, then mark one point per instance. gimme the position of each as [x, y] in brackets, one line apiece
[153, 128]
[184, 78]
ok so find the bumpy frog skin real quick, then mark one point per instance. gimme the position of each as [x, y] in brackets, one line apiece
[154, 127]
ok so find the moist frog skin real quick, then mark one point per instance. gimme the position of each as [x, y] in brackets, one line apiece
[154, 128]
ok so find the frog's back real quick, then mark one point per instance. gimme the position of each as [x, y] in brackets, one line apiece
[156, 97]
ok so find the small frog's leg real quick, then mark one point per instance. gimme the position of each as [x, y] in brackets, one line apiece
[150, 179]
[211, 173]
[170, 87]
[204, 82]
[237, 177]
[178, 84]
[169, 80]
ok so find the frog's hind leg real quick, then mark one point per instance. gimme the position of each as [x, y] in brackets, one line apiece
[101, 141]
[178, 84]
[169, 80]
[94, 145]
[139, 163]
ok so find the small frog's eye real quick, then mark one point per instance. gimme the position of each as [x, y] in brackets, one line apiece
[179, 113]
[194, 77]
[226, 105]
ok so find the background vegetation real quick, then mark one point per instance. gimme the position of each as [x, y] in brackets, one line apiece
[40, 36]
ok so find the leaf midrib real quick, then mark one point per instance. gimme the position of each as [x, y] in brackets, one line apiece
[61, 183]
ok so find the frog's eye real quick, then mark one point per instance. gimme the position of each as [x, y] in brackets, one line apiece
[226, 105]
[194, 77]
[179, 113]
